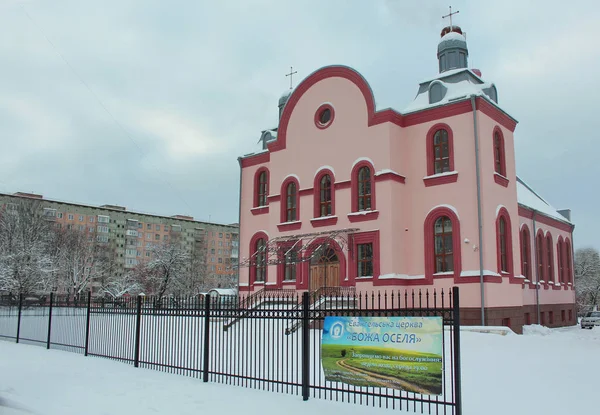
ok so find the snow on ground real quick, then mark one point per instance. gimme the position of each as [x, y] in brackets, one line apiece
[543, 372]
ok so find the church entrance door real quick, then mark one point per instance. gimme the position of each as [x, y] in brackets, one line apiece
[324, 270]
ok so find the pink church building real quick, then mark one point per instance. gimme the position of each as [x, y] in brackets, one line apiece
[345, 195]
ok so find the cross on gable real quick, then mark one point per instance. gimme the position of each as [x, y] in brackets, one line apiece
[450, 14]
[291, 74]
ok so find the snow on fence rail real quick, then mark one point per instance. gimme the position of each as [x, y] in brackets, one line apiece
[223, 341]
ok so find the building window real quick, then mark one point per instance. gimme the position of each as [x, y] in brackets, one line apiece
[291, 200]
[291, 262]
[220, 234]
[539, 250]
[504, 242]
[220, 243]
[70, 216]
[525, 253]
[364, 189]
[261, 188]
[260, 265]
[441, 152]
[80, 218]
[91, 219]
[569, 276]
[149, 226]
[560, 259]
[442, 243]
[59, 215]
[324, 116]
[364, 260]
[443, 250]
[503, 261]
[290, 211]
[157, 237]
[549, 258]
[325, 195]
[499, 158]
[563, 316]
[220, 260]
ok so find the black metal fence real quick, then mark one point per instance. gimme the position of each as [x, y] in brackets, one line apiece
[270, 340]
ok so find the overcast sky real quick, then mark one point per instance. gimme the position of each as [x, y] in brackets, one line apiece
[148, 104]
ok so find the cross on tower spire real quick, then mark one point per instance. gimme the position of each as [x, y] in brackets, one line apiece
[450, 16]
[291, 74]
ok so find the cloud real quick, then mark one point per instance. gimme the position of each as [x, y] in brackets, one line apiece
[194, 83]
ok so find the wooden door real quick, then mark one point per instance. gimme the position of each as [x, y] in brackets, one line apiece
[324, 275]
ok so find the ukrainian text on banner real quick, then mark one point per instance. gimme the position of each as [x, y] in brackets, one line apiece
[389, 352]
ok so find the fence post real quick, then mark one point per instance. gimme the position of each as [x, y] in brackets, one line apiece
[19, 317]
[49, 320]
[87, 323]
[138, 327]
[205, 356]
[305, 345]
[457, 377]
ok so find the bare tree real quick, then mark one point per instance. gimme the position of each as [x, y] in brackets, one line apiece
[26, 264]
[195, 273]
[165, 272]
[587, 277]
[79, 260]
[119, 285]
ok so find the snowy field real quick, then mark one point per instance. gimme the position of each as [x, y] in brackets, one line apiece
[544, 372]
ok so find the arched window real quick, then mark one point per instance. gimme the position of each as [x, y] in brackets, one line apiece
[499, 160]
[569, 275]
[549, 259]
[440, 155]
[560, 256]
[443, 249]
[364, 188]
[525, 253]
[325, 208]
[261, 188]
[260, 263]
[539, 254]
[504, 249]
[291, 202]
[442, 244]
[502, 237]
[258, 258]
[441, 152]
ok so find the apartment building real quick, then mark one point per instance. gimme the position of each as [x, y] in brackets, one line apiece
[132, 234]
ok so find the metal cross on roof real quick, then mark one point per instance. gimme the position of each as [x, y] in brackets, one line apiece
[450, 16]
[291, 74]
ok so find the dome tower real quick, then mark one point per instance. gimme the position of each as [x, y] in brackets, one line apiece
[452, 49]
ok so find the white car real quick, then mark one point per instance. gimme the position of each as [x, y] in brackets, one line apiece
[590, 320]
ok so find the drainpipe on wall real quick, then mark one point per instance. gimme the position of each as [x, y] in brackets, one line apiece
[479, 216]
[239, 225]
[537, 270]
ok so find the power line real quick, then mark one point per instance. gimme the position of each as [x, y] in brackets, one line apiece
[115, 120]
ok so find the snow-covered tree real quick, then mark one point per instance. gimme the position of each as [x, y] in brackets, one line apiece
[119, 285]
[26, 264]
[79, 261]
[587, 277]
[166, 271]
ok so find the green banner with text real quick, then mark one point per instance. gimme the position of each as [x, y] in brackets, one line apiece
[388, 352]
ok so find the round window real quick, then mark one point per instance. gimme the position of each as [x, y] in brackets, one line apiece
[324, 116]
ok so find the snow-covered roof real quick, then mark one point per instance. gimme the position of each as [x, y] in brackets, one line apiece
[223, 291]
[454, 92]
[452, 36]
[528, 198]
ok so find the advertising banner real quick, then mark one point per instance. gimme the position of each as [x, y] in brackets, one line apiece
[388, 352]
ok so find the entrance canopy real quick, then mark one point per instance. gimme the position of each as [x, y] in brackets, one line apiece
[290, 249]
